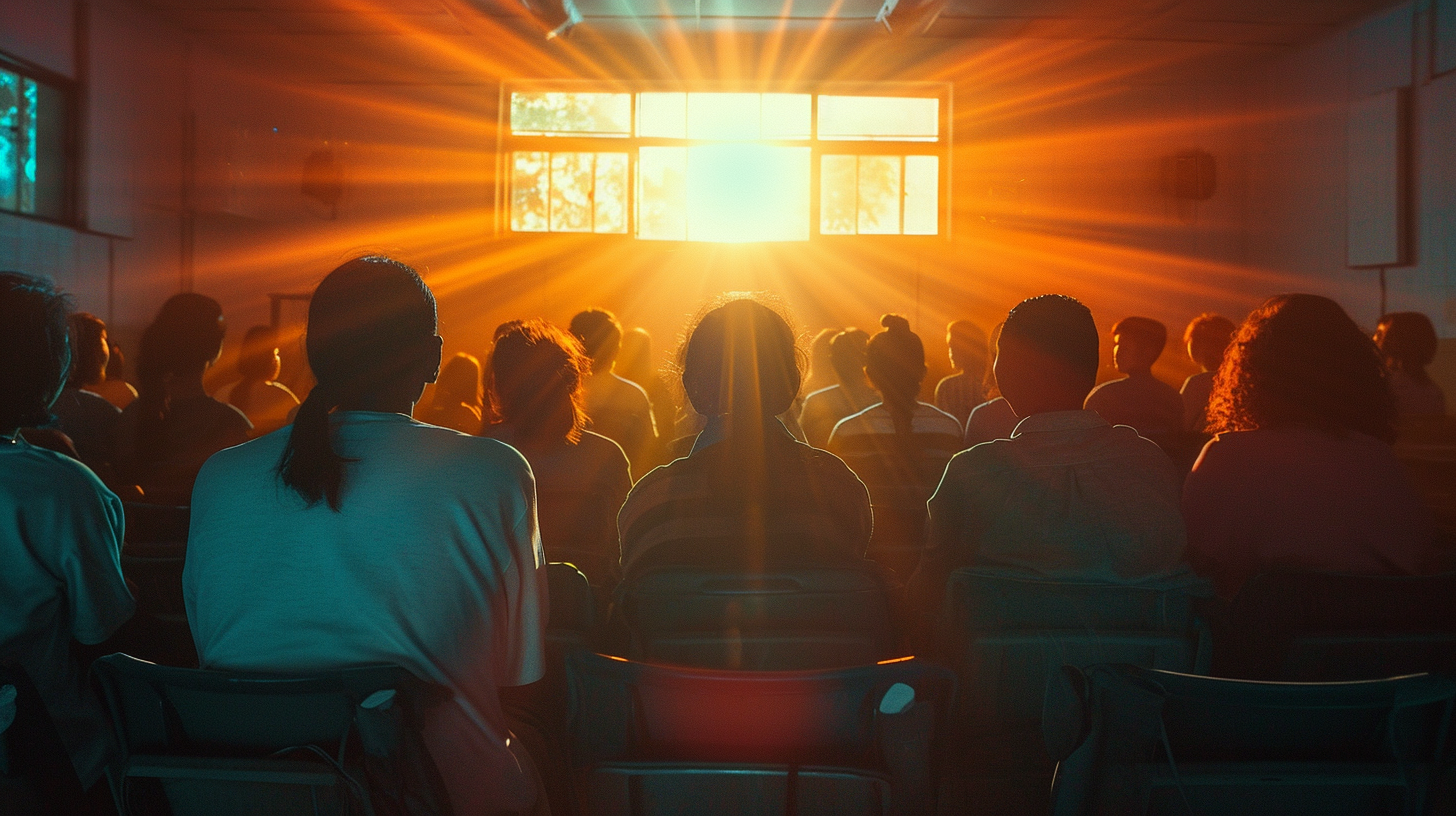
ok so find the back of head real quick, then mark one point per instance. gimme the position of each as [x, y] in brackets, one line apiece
[35, 350]
[740, 360]
[1300, 359]
[600, 334]
[847, 354]
[534, 379]
[1408, 342]
[1057, 336]
[259, 358]
[895, 364]
[1149, 334]
[965, 337]
[1206, 337]
[369, 322]
[185, 336]
[634, 359]
[89, 350]
[459, 381]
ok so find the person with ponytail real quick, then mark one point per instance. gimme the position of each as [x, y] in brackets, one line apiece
[362, 536]
[174, 426]
[899, 446]
[748, 497]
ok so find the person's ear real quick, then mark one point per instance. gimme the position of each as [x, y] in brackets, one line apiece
[431, 356]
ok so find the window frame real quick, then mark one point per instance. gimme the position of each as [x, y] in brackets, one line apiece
[67, 90]
[508, 143]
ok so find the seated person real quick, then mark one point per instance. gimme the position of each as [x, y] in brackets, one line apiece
[1068, 496]
[899, 446]
[366, 537]
[1408, 343]
[962, 391]
[534, 379]
[992, 419]
[267, 403]
[1206, 339]
[616, 407]
[1139, 400]
[1301, 475]
[634, 363]
[748, 496]
[60, 530]
[173, 426]
[83, 415]
[821, 363]
[824, 408]
[114, 386]
[458, 396]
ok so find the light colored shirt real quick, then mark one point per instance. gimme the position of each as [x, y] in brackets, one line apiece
[1304, 499]
[993, 419]
[620, 410]
[1067, 497]
[60, 547]
[433, 563]
[824, 408]
[958, 395]
[900, 471]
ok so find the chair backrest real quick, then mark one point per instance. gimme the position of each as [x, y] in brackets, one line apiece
[221, 742]
[787, 619]
[707, 729]
[36, 774]
[1310, 626]
[1135, 740]
[1007, 636]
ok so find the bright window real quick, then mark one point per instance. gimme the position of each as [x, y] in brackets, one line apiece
[32, 146]
[725, 167]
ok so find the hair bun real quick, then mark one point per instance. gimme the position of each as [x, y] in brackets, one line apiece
[895, 323]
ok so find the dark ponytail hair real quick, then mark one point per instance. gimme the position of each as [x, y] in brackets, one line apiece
[185, 336]
[895, 364]
[366, 323]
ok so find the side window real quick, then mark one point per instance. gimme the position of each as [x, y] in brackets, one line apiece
[33, 122]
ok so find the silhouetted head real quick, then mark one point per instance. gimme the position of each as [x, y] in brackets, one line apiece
[535, 381]
[183, 340]
[90, 351]
[967, 345]
[820, 363]
[600, 334]
[895, 364]
[1137, 343]
[634, 360]
[1207, 337]
[847, 355]
[370, 340]
[988, 385]
[740, 360]
[1300, 360]
[35, 351]
[1407, 342]
[1046, 358]
[259, 359]
[459, 382]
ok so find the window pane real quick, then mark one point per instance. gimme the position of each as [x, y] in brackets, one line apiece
[879, 117]
[723, 115]
[786, 116]
[599, 114]
[748, 192]
[610, 198]
[571, 192]
[922, 195]
[29, 109]
[10, 150]
[837, 193]
[879, 195]
[662, 115]
[662, 193]
[530, 191]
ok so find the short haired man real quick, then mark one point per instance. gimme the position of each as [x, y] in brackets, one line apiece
[1139, 400]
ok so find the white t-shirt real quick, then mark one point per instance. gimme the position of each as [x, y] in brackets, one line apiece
[433, 563]
[60, 546]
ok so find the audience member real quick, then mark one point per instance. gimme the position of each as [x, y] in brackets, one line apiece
[535, 381]
[634, 363]
[824, 408]
[617, 408]
[962, 391]
[992, 419]
[114, 386]
[899, 446]
[1206, 338]
[1301, 474]
[821, 363]
[164, 437]
[60, 530]
[1069, 496]
[267, 403]
[748, 496]
[366, 537]
[459, 396]
[83, 415]
[1408, 344]
[1139, 400]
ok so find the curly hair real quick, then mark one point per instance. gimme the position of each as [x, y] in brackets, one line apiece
[1300, 360]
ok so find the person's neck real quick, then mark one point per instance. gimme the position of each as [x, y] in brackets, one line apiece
[187, 386]
[380, 405]
[1139, 374]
